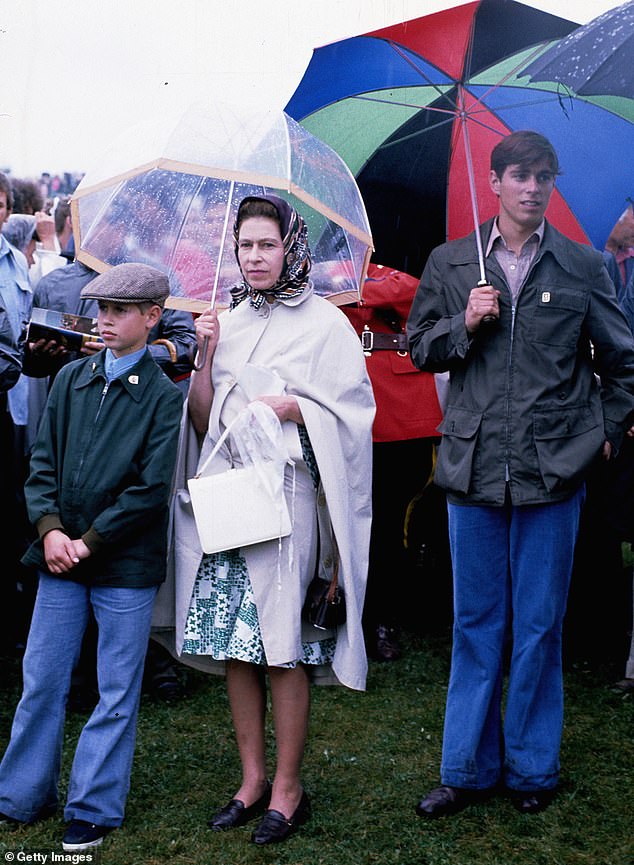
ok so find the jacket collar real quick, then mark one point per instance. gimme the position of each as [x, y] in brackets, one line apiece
[568, 254]
[135, 380]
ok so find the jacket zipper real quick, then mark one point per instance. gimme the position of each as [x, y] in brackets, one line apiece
[507, 473]
[103, 396]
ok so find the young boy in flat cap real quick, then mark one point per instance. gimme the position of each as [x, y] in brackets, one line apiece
[98, 495]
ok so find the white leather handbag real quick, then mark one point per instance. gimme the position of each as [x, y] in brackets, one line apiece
[240, 506]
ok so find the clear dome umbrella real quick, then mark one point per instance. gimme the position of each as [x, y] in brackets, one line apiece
[167, 194]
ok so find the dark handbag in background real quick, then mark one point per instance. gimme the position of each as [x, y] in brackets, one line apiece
[325, 604]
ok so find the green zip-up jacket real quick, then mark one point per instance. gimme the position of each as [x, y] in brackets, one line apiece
[533, 397]
[102, 467]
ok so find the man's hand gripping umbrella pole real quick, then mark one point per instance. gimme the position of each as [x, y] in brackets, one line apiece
[484, 292]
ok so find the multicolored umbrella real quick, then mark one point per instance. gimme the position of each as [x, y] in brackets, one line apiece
[166, 193]
[395, 103]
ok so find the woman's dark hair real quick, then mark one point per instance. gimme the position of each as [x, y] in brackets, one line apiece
[524, 148]
[257, 207]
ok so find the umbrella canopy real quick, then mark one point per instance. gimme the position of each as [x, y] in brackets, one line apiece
[594, 60]
[167, 193]
[394, 104]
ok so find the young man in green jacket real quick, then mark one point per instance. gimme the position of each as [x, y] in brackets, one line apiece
[541, 365]
[98, 495]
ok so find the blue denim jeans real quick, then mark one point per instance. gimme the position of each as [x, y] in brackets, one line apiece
[512, 569]
[100, 773]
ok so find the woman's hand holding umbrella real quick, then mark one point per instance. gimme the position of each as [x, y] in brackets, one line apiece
[207, 330]
[200, 397]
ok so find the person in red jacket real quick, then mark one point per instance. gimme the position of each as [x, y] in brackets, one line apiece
[404, 435]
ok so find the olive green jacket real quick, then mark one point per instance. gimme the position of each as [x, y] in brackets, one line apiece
[533, 397]
[102, 467]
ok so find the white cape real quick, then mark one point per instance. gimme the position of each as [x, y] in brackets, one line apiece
[310, 345]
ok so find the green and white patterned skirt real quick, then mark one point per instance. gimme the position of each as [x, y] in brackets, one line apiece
[223, 619]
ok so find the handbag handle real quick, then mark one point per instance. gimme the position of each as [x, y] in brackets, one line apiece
[218, 444]
[335, 569]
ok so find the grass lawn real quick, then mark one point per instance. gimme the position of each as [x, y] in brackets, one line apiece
[370, 758]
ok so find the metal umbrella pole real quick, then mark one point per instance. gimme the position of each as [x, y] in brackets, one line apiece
[199, 364]
[487, 319]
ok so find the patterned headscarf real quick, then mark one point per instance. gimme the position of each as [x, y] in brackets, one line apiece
[297, 261]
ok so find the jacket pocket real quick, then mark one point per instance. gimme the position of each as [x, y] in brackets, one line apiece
[567, 441]
[459, 430]
[558, 315]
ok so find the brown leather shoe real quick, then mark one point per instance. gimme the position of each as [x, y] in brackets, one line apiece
[531, 801]
[443, 801]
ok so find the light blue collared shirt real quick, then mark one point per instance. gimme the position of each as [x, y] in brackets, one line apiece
[115, 367]
[17, 298]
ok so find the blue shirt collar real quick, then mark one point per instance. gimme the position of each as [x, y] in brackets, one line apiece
[115, 367]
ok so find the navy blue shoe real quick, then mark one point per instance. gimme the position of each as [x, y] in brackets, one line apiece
[81, 835]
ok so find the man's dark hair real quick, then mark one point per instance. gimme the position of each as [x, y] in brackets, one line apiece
[62, 212]
[5, 186]
[27, 197]
[523, 148]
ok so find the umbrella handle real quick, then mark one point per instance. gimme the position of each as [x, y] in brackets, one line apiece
[490, 318]
[199, 364]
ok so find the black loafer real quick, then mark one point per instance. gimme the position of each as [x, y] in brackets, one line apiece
[275, 827]
[236, 813]
[531, 801]
[444, 800]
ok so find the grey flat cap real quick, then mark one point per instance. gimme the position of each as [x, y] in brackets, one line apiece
[129, 283]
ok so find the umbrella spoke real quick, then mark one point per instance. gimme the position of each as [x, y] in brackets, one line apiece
[400, 104]
[512, 73]
[426, 130]
[417, 68]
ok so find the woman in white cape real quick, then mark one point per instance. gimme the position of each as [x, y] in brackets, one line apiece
[239, 612]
